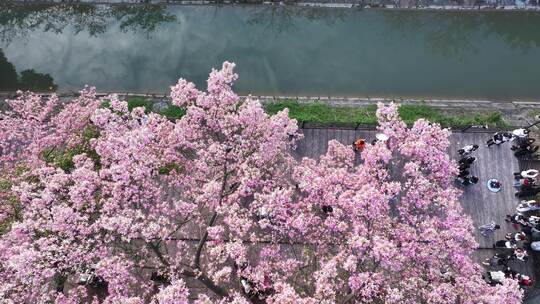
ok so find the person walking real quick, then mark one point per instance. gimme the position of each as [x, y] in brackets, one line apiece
[496, 139]
[520, 254]
[520, 133]
[527, 182]
[467, 150]
[468, 160]
[463, 167]
[498, 260]
[463, 173]
[499, 138]
[487, 229]
[505, 244]
[359, 144]
[466, 181]
[531, 173]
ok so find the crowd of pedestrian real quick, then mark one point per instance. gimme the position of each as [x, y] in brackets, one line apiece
[516, 246]
[464, 177]
[524, 146]
[526, 183]
[360, 143]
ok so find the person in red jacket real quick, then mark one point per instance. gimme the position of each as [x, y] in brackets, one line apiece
[359, 144]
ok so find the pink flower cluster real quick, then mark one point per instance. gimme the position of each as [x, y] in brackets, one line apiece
[32, 124]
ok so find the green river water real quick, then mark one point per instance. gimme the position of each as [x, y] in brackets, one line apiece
[278, 50]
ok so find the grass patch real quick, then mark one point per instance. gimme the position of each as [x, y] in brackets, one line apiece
[411, 113]
[534, 113]
[170, 111]
[136, 102]
[170, 167]
[63, 157]
[321, 113]
[325, 114]
[10, 203]
[173, 112]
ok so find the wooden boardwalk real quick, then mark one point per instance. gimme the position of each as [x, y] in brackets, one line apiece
[481, 204]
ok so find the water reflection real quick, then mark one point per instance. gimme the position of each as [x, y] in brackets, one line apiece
[8, 74]
[458, 34]
[17, 20]
[27, 80]
[279, 50]
[446, 34]
[520, 30]
[455, 35]
[284, 18]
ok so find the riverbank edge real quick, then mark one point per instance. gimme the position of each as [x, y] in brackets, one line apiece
[514, 113]
[343, 4]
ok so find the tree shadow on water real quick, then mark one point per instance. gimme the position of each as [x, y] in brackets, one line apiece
[18, 20]
[455, 34]
[27, 80]
[521, 31]
[8, 75]
[442, 33]
[280, 19]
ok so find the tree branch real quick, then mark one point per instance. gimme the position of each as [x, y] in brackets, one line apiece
[201, 276]
[212, 220]
[202, 241]
[158, 253]
[207, 282]
[348, 298]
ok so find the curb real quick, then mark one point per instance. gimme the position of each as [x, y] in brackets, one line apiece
[345, 101]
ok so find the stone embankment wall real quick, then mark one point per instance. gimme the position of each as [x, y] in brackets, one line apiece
[471, 5]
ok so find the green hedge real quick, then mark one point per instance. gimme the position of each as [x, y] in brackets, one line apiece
[325, 114]
[171, 111]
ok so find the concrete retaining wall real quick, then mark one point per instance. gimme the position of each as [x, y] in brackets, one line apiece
[451, 5]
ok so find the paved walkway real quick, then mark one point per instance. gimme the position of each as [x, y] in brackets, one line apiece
[483, 206]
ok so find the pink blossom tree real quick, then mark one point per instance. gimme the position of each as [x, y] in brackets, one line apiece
[213, 208]
[34, 129]
[33, 124]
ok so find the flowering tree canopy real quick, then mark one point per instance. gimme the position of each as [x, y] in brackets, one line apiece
[213, 208]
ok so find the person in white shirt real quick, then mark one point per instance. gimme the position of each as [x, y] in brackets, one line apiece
[531, 173]
[520, 133]
[468, 149]
[499, 138]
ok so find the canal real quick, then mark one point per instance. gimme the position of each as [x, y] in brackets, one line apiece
[278, 50]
